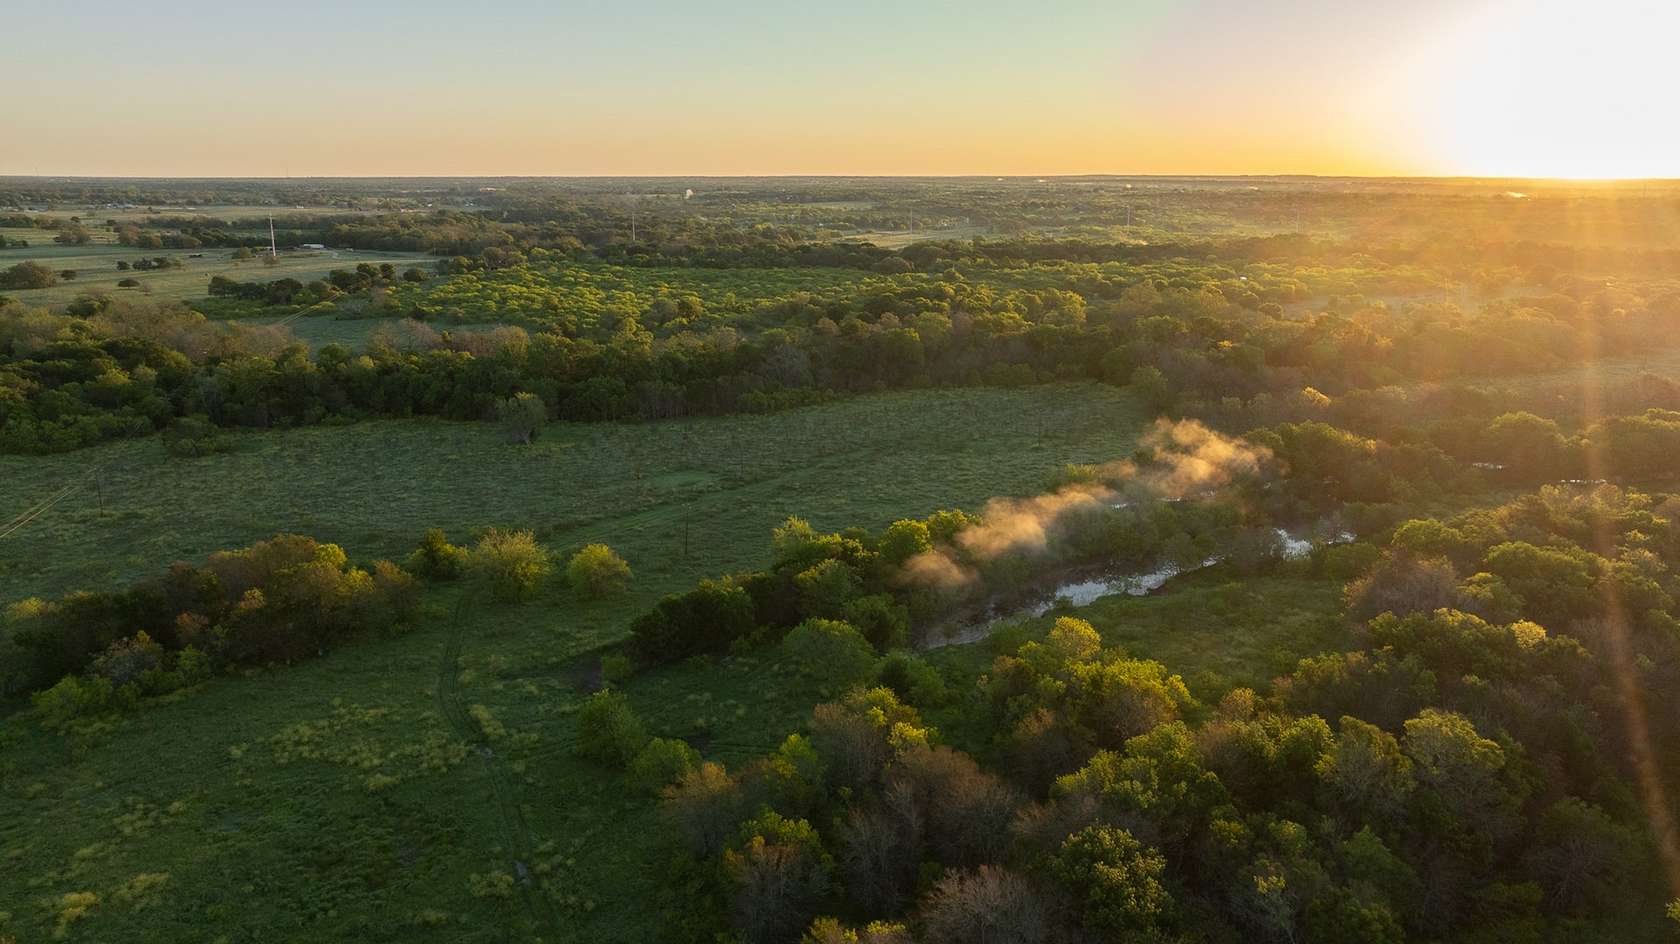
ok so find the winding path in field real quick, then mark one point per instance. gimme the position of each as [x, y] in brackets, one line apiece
[516, 833]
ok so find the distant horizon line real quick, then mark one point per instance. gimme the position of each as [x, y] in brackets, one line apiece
[798, 176]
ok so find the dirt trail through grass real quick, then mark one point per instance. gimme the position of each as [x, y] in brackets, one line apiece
[518, 839]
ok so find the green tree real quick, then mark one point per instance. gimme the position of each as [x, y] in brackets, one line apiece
[703, 807]
[522, 417]
[1150, 386]
[1365, 770]
[608, 730]
[832, 651]
[778, 874]
[1116, 880]
[903, 540]
[661, 762]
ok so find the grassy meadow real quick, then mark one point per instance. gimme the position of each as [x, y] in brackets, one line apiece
[375, 486]
[96, 268]
[384, 792]
[390, 785]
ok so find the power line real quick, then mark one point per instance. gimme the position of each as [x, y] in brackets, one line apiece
[37, 511]
[40, 508]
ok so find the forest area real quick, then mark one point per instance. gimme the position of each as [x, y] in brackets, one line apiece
[840, 559]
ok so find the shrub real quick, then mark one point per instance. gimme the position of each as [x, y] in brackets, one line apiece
[661, 762]
[28, 275]
[436, 558]
[597, 571]
[831, 931]
[73, 697]
[511, 563]
[608, 730]
[913, 679]
[831, 651]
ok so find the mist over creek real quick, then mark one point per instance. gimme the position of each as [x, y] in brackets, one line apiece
[1090, 584]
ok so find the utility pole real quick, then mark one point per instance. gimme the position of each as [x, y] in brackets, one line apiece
[273, 250]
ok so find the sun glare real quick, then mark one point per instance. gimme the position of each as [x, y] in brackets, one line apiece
[1553, 89]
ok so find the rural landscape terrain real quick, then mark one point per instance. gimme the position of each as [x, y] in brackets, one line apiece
[827, 559]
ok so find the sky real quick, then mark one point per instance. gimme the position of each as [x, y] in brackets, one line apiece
[410, 87]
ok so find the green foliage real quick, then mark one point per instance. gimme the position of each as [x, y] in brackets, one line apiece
[608, 731]
[825, 589]
[195, 436]
[1115, 879]
[662, 762]
[510, 563]
[903, 540]
[522, 417]
[831, 651]
[71, 699]
[279, 600]
[704, 619]
[437, 559]
[882, 620]
[912, 679]
[597, 571]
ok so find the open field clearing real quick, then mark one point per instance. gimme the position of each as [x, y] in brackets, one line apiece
[341, 787]
[96, 269]
[375, 486]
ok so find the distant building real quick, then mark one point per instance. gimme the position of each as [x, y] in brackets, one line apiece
[311, 246]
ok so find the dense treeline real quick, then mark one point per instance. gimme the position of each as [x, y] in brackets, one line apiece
[1466, 769]
[279, 600]
[1202, 342]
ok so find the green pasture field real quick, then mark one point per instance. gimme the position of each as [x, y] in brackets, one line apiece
[348, 798]
[898, 239]
[375, 486]
[96, 268]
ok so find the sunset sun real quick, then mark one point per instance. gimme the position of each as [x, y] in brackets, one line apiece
[1553, 90]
